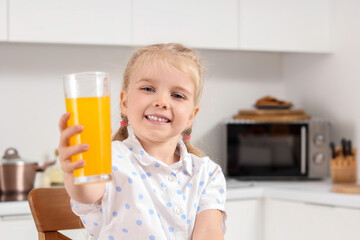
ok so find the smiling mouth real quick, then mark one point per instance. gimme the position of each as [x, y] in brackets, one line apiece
[158, 119]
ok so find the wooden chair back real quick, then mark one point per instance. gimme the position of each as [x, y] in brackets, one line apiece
[51, 210]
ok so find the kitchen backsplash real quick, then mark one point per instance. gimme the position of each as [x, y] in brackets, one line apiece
[32, 92]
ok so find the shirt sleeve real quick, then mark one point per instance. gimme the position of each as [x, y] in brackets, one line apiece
[214, 194]
[90, 215]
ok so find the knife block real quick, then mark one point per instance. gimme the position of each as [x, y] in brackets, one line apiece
[343, 168]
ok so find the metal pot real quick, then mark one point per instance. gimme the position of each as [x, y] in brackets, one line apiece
[18, 175]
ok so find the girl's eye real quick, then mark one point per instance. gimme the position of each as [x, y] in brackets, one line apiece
[147, 89]
[176, 95]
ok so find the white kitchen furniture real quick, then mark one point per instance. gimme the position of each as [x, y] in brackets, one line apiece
[277, 219]
[18, 227]
[285, 25]
[298, 221]
[17, 215]
[256, 25]
[3, 20]
[244, 219]
[67, 21]
[262, 211]
[291, 210]
[200, 23]
[23, 227]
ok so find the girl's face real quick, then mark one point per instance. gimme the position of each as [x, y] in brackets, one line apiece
[159, 102]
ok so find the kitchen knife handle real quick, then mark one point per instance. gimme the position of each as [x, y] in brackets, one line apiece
[343, 145]
[332, 147]
[349, 148]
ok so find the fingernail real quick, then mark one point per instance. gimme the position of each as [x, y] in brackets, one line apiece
[86, 146]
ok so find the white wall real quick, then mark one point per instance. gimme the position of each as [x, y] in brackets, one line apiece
[329, 85]
[325, 85]
[32, 93]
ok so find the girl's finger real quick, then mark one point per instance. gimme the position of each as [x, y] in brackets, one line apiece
[67, 133]
[69, 166]
[66, 152]
[63, 121]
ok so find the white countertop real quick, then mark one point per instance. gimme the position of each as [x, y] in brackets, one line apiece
[317, 192]
[14, 208]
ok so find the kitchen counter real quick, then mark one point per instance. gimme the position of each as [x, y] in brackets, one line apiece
[14, 208]
[317, 192]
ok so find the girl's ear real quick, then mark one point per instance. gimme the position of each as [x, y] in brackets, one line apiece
[192, 116]
[123, 102]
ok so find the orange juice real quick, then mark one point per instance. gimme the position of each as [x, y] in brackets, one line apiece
[94, 114]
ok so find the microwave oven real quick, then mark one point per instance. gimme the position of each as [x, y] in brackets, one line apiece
[278, 150]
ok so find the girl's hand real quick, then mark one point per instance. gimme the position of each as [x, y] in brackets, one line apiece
[66, 151]
[87, 193]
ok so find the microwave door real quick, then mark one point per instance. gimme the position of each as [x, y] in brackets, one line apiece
[267, 150]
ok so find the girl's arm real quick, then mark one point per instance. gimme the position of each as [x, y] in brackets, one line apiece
[208, 225]
[88, 193]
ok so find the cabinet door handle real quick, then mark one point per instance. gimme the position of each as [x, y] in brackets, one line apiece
[303, 150]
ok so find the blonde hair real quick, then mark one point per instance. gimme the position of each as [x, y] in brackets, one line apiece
[176, 55]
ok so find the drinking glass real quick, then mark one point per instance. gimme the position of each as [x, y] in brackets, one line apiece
[87, 98]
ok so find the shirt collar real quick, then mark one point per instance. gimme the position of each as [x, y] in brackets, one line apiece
[145, 159]
[185, 157]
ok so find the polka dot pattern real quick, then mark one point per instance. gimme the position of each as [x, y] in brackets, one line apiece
[153, 200]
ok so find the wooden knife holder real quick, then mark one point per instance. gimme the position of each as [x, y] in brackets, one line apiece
[343, 168]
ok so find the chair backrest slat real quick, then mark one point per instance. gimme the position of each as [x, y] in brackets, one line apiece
[50, 208]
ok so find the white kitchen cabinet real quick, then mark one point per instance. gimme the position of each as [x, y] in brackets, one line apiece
[3, 20]
[285, 25]
[18, 227]
[199, 23]
[286, 220]
[244, 219]
[260, 25]
[67, 21]
[10, 226]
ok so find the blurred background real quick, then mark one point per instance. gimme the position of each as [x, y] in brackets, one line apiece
[306, 52]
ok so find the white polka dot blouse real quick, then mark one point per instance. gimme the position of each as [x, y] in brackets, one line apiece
[149, 199]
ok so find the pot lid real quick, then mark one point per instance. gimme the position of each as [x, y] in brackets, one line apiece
[11, 156]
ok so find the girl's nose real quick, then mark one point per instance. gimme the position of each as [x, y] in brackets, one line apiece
[161, 102]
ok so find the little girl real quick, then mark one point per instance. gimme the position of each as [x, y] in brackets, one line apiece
[162, 187]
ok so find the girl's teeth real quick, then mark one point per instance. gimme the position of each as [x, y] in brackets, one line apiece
[157, 119]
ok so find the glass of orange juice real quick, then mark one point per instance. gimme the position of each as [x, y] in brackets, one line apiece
[87, 98]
